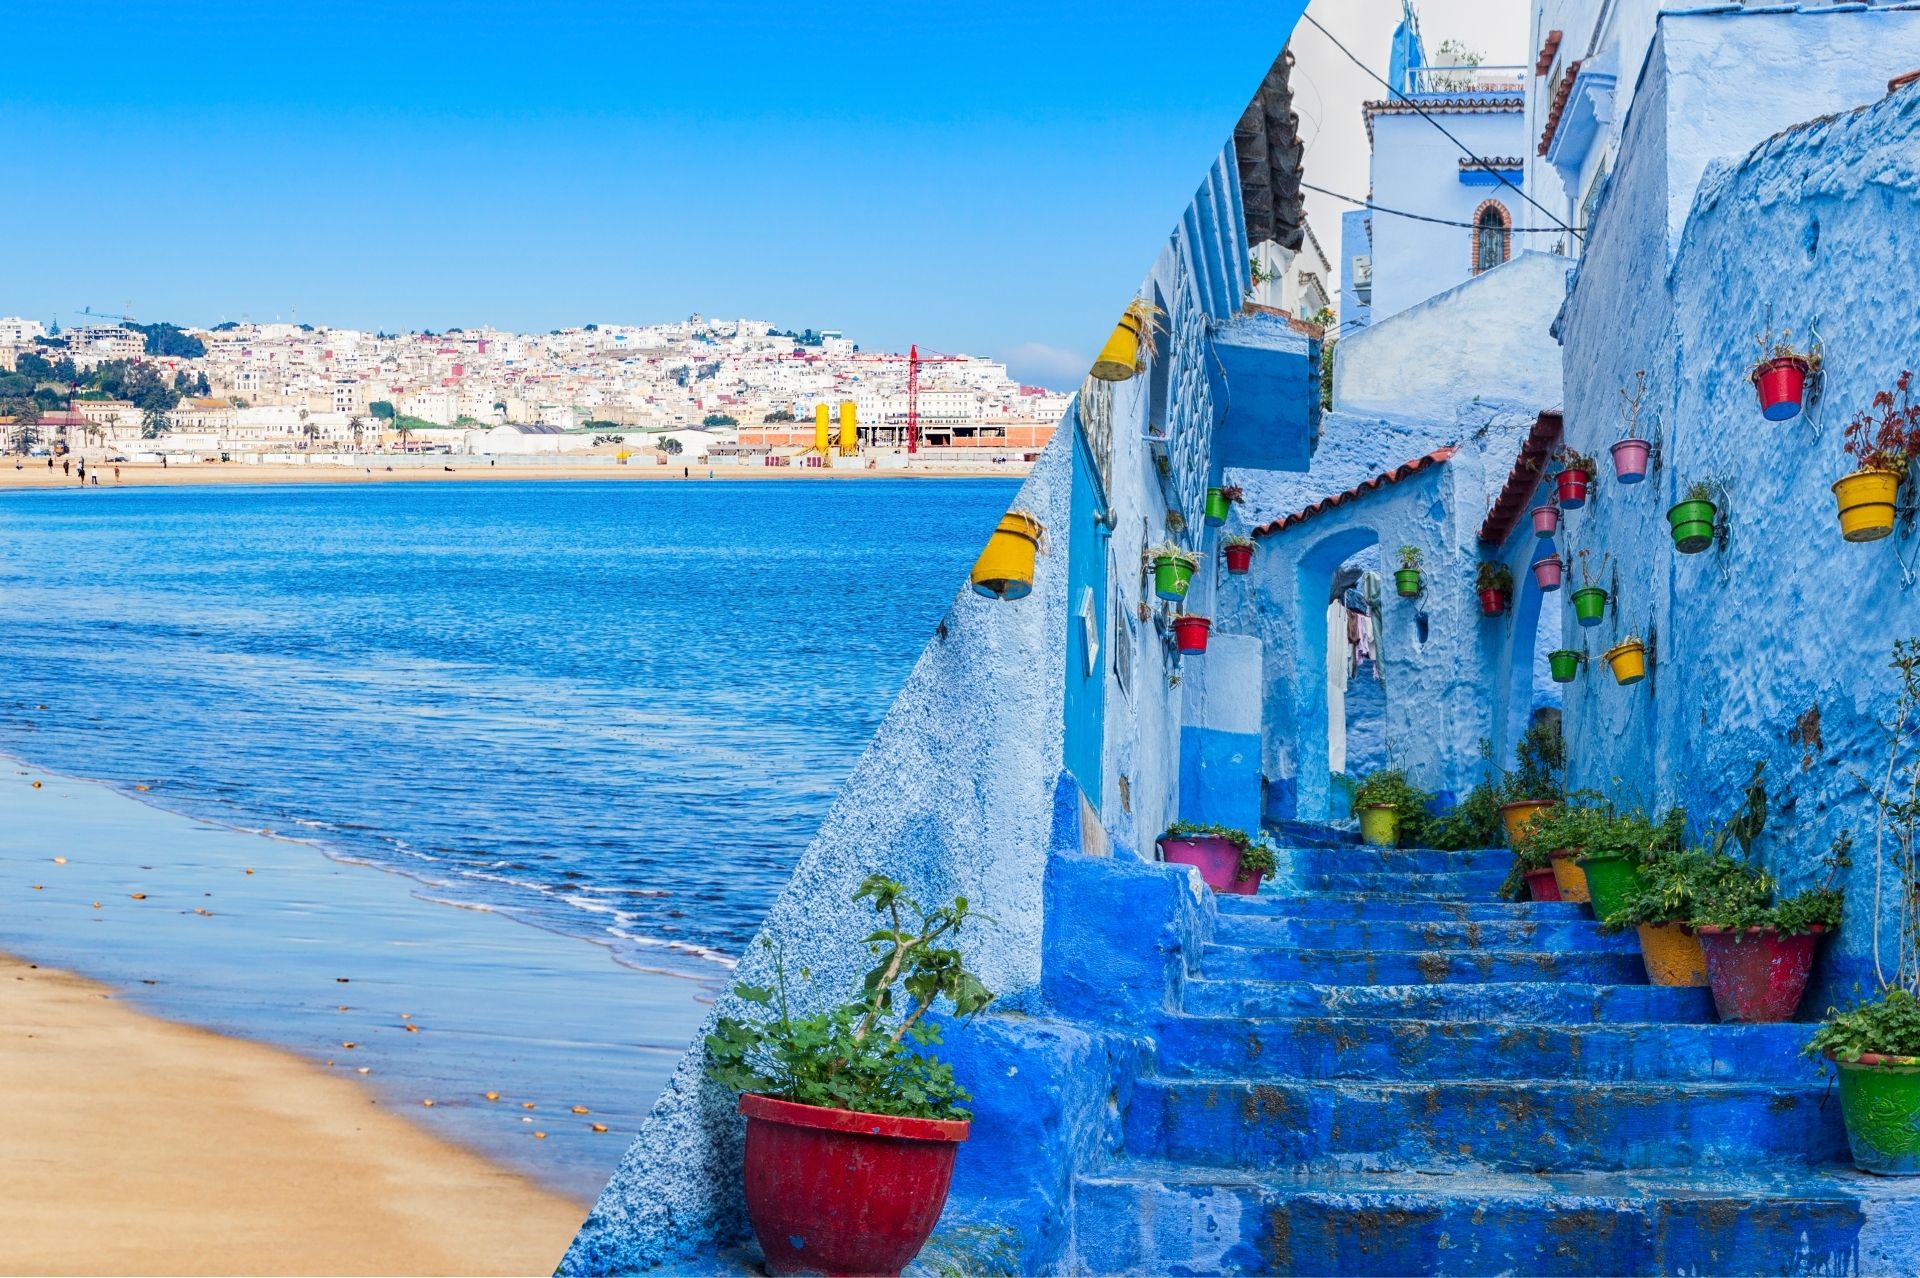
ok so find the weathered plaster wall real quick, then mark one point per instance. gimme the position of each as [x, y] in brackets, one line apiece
[1774, 649]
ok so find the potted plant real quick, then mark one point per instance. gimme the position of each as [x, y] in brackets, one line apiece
[1565, 663]
[1547, 572]
[1759, 949]
[1126, 353]
[1780, 377]
[1692, 519]
[1590, 601]
[1882, 441]
[1229, 860]
[1546, 518]
[1494, 582]
[1219, 505]
[1533, 872]
[1661, 911]
[1386, 802]
[1628, 659]
[1005, 568]
[1631, 453]
[1875, 1044]
[1614, 847]
[1173, 570]
[1533, 787]
[1190, 633]
[1552, 843]
[1406, 578]
[1576, 473]
[1238, 551]
[852, 1131]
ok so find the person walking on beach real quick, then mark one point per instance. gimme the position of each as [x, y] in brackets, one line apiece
[66, 466]
[116, 474]
[83, 470]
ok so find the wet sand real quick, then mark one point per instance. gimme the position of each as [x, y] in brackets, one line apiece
[33, 473]
[134, 1145]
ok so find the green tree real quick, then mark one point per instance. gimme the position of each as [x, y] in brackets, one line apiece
[154, 423]
[382, 409]
[671, 446]
[718, 419]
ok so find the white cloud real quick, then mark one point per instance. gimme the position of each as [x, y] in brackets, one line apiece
[1038, 364]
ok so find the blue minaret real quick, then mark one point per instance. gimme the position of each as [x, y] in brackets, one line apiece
[1407, 51]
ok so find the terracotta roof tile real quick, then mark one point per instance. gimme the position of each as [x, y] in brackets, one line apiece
[1559, 105]
[1361, 489]
[1528, 469]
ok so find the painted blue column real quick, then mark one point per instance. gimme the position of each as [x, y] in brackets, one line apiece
[1086, 711]
[1220, 734]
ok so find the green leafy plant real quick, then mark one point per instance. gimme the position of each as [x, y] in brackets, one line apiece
[1540, 764]
[1168, 550]
[857, 1056]
[1493, 576]
[1675, 885]
[1888, 1026]
[1256, 852]
[1409, 558]
[1700, 490]
[1235, 539]
[1389, 787]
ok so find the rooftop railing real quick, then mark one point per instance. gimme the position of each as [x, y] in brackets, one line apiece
[1464, 79]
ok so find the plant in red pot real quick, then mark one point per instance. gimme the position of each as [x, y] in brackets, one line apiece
[1575, 474]
[851, 1130]
[1781, 375]
[1494, 584]
[1238, 551]
[1760, 950]
[1633, 451]
[1229, 860]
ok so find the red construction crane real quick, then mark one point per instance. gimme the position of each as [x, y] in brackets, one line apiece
[914, 360]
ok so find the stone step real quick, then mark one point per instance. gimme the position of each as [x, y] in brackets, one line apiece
[1398, 860]
[1419, 967]
[1520, 1126]
[1429, 1051]
[1440, 885]
[1394, 907]
[1280, 931]
[1520, 1002]
[1158, 1219]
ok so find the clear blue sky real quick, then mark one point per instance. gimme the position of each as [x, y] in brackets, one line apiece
[987, 177]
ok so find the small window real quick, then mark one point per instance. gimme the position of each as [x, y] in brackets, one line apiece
[1492, 236]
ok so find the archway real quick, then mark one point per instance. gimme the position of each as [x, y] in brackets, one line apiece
[1537, 627]
[1318, 687]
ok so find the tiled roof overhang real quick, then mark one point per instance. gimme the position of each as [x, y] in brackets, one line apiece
[1528, 469]
[1356, 492]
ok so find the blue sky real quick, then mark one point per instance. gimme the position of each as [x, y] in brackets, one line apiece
[990, 177]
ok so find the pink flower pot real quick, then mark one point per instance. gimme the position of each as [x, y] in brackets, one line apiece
[1547, 572]
[1217, 860]
[1630, 460]
[1546, 520]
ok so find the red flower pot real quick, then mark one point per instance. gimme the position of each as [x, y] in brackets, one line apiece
[1572, 484]
[1493, 602]
[1630, 460]
[1217, 860]
[836, 1191]
[1542, 886]
[1191, 633]
[1546, 520]
[1756, 973]
[1239, 559]
[1782, 384]
[1547, 572]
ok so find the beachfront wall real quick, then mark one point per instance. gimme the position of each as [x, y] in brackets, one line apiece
[1773, 648]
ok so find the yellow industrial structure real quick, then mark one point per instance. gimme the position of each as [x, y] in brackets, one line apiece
[849, 429]
[822, 430]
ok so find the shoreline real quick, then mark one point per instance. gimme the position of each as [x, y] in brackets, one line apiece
[33, 474]
[141, 1145]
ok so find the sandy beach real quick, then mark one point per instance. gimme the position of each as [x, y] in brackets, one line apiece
[33, 473]
[135, 1145]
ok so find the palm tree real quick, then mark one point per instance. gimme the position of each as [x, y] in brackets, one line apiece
[358, 426]
[404, 431]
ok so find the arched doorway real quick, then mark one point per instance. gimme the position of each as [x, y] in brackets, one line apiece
[1530, 691]
[1339, 722]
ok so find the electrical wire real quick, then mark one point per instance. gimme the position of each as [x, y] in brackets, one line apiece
[1464, 149]
[1370, 206]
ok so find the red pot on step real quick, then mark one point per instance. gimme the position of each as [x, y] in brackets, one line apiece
[1757, 974]
[1217, 860]
[1572, 484]
[1191, 633]
[1239, 559]
[1547, 572]
[1542, 886]
[836, 1191]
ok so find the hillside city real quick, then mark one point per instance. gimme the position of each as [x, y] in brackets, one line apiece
[723, 390]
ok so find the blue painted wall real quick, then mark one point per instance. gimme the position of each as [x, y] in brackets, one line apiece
[1087, 635]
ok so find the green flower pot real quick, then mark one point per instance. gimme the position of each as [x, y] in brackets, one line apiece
[1407, 581]
[1590, 605]
[1880, 1097]
[1565, 664]
[1692, 526]
[1611, 879]
[1170, 577]
[1217, 507]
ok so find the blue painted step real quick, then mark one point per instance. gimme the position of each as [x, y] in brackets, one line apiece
[1416, 1051]
[1395, 906]
[1281, 931]
[1399, 860]
[1164, 1219]
[1507, 1126]
[1530, 1002]
[1417, 967]
[1441, 885]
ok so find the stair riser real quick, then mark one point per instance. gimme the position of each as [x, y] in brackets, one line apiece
[1443, 967]
[1129, 1228]
[1397, 907]
[1477, 885]
[1343, 934]
[1398, 860]
[1506, 1127]
[1422, 1051]
[1542, 1003]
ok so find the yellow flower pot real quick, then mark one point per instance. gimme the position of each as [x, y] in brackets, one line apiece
[1866, 504]
[1629, 661]
[1672, 954]
[1517, 817]
[1571, 878]
[1120, 358]
[1005, 568]
[1380, 825]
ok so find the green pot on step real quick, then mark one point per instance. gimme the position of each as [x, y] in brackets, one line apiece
[1217, 507]
[1880, 1098]
[1692, 526]
[1590, 605]
[1406, 581]
[1565, 664]
[1611, 879]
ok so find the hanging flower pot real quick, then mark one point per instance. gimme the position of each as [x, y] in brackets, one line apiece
[1406, 578]
[1576, 473]
[1880, 1099]
[838, 1191]
[1692, 520]
[1542, 885]
[1866, 504]
[1629, 661]
[1757, 974]
[1173, 572]
[1630, 460]
[1493, 582]
[1547, 572]
[1672, 954]
[1005, 568]
[1191, 633]
[1219, 505]
[1565, 664]
[1121, 359]
[1782, 385]
[1238, 552]
[1546, 520]
[1493, 602]
[1590, 605]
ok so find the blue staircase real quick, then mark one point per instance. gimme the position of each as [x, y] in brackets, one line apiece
[1381, 1069]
